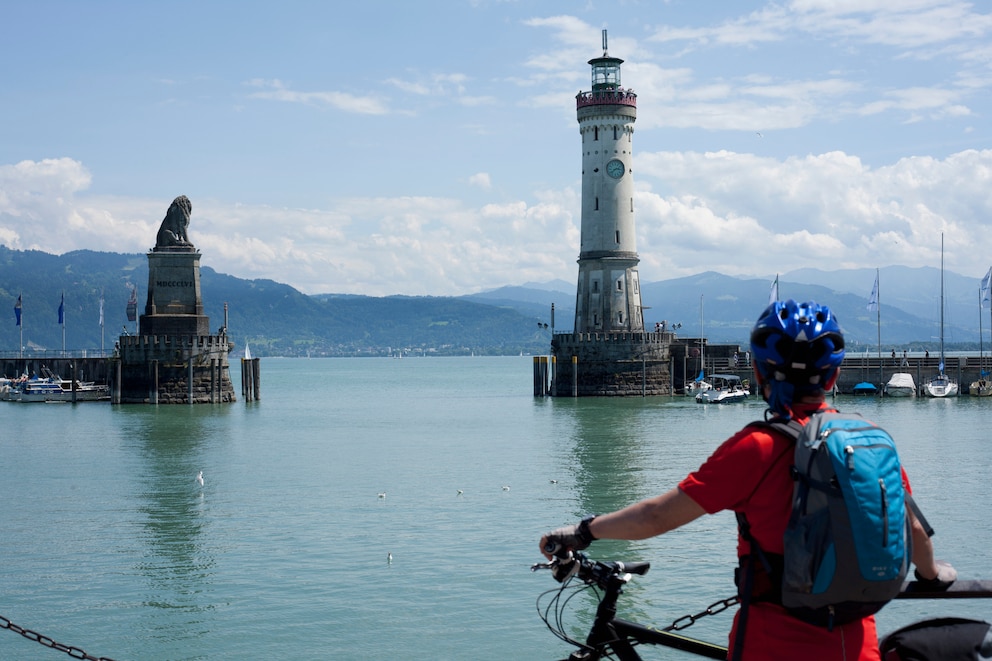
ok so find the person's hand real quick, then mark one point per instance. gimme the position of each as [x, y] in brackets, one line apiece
[567, 538]
[946, 574]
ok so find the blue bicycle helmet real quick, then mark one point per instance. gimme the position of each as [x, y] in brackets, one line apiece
[797, 348]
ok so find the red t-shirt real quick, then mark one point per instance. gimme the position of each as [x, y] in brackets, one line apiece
[750, 473]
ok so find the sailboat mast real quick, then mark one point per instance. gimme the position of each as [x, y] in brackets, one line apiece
[878, 326]
[941, 302]
[702, 360]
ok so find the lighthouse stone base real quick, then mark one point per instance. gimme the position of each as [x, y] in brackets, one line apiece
[611, 364]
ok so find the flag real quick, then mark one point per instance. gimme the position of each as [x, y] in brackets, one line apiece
[773, 293]
[987, 289]
[101, 309]
[17, 310]
[132, 305]
[873, 298]
[62, 309]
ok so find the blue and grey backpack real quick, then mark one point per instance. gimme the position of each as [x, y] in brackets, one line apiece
[848, 543]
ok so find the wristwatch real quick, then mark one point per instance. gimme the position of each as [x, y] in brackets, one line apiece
[583, 532]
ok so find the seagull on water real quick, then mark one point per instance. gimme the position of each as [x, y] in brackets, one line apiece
[460, 492]
[506, 488]
[382, 494]
[554, 481]
[389, 557]
[199, 478]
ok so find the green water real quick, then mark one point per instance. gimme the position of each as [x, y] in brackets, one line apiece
[110, 545]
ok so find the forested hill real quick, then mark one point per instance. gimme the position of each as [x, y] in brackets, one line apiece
[275, 319]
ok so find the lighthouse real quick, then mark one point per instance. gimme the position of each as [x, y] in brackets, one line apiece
[608, 353]
[608, 296]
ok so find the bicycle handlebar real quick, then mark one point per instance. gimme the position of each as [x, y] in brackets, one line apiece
[591, 572]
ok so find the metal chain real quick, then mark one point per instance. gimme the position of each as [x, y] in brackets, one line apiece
[74, 652]
[687, 621]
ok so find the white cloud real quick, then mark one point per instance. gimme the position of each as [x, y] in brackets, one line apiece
[481, 179]
[738, 213]
[275, 90]
[748, 215]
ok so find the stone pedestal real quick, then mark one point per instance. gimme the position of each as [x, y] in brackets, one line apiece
[174, 305]
[174, 359]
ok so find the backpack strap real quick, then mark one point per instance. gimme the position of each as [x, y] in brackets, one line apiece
[911, 503]
[745, 583]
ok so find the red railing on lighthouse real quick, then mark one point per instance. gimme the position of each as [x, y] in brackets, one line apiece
[606, 97]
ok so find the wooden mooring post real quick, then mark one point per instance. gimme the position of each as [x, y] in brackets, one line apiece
[540, 376]
[251, 379]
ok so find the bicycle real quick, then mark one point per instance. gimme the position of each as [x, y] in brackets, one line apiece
[612, 637]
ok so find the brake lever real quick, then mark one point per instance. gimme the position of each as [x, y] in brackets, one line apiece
[561, 568]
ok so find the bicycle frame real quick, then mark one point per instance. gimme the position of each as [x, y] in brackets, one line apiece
[613, 637]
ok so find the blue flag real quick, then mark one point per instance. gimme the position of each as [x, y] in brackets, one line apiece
[986, 290]
[17, 310]
[873, 297]
[62, 310]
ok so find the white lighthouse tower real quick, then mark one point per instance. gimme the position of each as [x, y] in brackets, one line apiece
[609, 352]
[608, 296]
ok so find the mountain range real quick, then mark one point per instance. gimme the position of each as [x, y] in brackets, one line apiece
[276, 319]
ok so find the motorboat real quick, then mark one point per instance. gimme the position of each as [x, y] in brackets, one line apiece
[864, 388]
[901, 384]
[727, 388]
[49, 389]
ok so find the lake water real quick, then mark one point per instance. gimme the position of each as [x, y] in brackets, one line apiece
[110, 545]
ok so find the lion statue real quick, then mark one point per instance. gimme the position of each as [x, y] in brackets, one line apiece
[172, 233]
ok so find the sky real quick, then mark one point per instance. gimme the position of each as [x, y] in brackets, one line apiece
[432, 148]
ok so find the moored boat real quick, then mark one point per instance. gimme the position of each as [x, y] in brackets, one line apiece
[57, 390]
[727, 388]
[901, 384]
[980, 388]
[941, 385]
[864, 388]
[694, 388]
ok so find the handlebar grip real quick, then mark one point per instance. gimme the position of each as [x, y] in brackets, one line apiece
[639, 568]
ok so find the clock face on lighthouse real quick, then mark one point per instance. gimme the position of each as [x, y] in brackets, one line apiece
[615, 169]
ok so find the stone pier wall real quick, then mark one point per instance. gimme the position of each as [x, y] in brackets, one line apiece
[169, 369]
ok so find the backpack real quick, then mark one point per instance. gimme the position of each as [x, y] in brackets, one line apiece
[848, 543]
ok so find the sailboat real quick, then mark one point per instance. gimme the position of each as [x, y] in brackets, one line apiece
[941, 385]
[699, 386]
[983, 386]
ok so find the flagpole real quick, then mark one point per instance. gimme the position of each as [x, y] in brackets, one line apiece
[878, 325]
[62, 321]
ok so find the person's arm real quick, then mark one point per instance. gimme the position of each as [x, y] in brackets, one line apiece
[647, 518]
[927, 567]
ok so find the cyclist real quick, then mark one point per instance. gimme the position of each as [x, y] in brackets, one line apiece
[796, 351]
